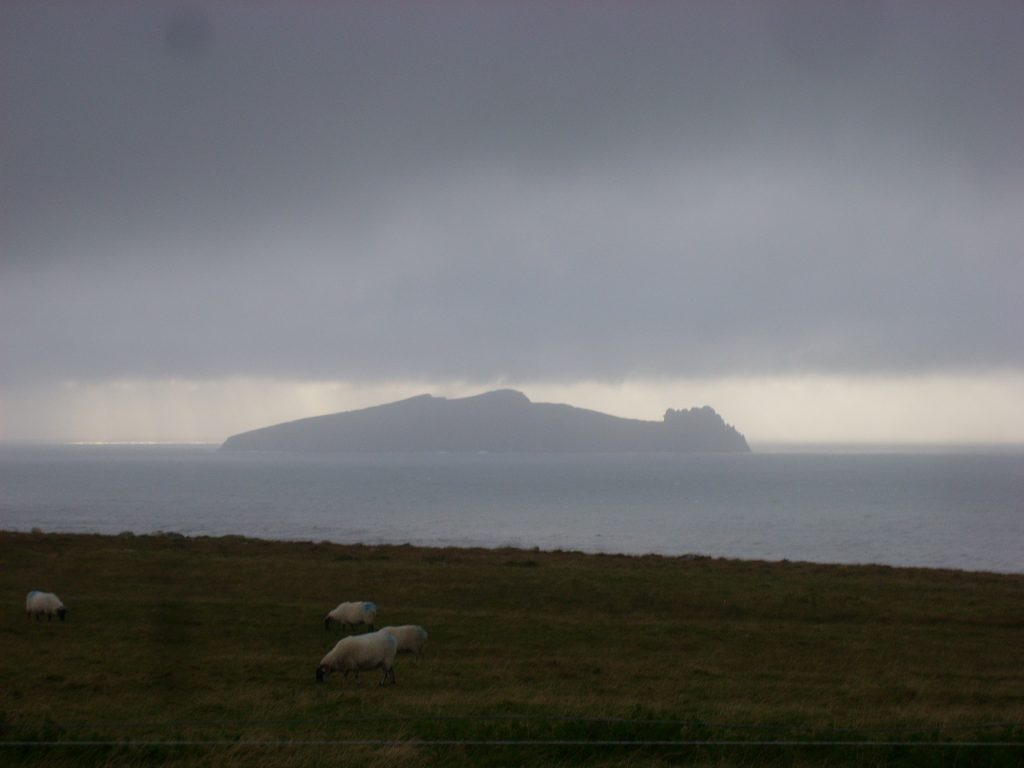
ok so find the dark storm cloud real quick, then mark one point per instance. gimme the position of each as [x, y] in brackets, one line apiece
[523, 190]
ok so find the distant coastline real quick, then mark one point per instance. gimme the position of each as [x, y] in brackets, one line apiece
[502, 421]
[758, 446]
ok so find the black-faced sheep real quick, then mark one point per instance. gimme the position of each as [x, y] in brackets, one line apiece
[38, 603]
[374, 650]
[352, 615]
[410, 637]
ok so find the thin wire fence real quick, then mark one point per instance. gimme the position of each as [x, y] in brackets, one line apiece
[690, 723]
[771, 734]
[520, 743]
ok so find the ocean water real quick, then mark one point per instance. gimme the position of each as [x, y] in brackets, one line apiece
[939, 509]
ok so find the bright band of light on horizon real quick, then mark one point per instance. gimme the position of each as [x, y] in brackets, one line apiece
[811, 409]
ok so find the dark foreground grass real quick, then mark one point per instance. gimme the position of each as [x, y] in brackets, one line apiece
[202, 651]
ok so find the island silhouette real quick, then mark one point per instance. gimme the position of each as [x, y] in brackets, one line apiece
[502, 421]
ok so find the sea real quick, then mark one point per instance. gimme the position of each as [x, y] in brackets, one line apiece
[950, 508]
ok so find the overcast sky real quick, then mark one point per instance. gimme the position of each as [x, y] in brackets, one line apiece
[218, 215]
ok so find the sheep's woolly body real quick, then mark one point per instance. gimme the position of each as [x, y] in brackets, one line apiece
[39, 603]
[410, 637]
[374, 650]
[352, 614]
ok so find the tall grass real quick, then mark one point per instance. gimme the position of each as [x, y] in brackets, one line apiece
[201, 651]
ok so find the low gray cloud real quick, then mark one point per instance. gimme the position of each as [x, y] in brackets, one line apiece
[514, 190]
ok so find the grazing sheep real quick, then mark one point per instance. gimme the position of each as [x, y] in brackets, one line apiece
[352, 615]
[37, 603]
[369, 651]
[410, 637]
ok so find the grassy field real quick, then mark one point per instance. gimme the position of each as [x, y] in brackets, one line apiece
[202, 651]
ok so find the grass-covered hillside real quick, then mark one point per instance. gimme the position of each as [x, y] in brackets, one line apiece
[203, 651]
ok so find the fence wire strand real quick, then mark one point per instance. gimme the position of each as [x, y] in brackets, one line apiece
[519, 743]
[691, 723]
[783, 735]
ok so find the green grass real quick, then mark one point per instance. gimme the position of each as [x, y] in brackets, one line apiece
[176, 639]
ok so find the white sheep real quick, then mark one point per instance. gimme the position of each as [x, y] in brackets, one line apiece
[410, 637]
[37, 603]
[372, 650]
[352, 615]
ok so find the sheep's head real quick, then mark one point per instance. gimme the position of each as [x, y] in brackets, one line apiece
[321, 673]
[327, 621]
[61, 613]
